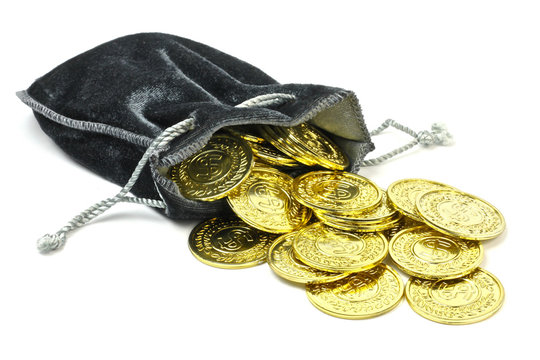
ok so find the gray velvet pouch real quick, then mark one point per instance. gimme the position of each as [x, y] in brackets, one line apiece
[106, 107]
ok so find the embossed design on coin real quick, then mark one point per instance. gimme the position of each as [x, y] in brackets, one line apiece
[465, 300]
[318, 145]
[233, 239]
[330, 249]
[271, 156]
[428, 254]
[360, 295]
[215, 170]
[307, 145]
[268, 196]
[403, 194]
[209, 166]
[283, 262]
[229, 243]
[339, 193]
[459, 214]
[264, 201]
[381, 218]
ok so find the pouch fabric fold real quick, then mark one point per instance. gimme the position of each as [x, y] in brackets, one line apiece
[105, 106]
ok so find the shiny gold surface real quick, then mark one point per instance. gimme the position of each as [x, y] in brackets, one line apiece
[402, 194]
[360, 295]
[460, 214]
[215, 170]
[466, 300]
[336, 192]
[283, 262]
[271, 156]
[428, 254]
[316, 145]
[229, 243]
[280, 142]
[330, 249]
[307, 145]
[381, 218]
[264, 201]
[245, 132]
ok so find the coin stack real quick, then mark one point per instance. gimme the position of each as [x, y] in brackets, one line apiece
[431, 231]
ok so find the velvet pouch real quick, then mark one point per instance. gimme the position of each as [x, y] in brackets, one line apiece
[105, 107]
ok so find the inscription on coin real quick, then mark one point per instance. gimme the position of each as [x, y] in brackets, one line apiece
[268, 197]
[233, 239]
[229, 243]
[460, 212]
[456, 293]
[360, 288]
[465, 300]
[209, 166]
[435, 249]
[215, 170]
[336, 190]
[347, 245]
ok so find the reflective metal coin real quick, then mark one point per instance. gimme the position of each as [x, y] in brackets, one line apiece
[229, 243]
[360, 295]
[336, 192]
[264, 201]
[402, 194]
[459, 214]
[428, 254]
[272, 156]
[215, 170]
[283, 262]
[383, 217]
[316, 146]
[326, 248]
[279, 141]
[245, 132]
[466, 300]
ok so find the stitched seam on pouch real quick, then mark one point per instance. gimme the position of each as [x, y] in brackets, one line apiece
[99, 128]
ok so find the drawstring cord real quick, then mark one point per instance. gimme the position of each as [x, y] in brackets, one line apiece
[438, 135]
[51, 242]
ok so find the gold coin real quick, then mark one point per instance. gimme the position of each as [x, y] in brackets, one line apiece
[264, 201]
[229, 243]
[459, 214]
[336, 192]
[315, 145]
[383, 217]
[283, 262]
[215, 170]
[279, 141]
[428, 254]
[402, 194]
[404, 223]
[466, 300]
[245, 132]
[330, 249]
[360, 295]
[271, 156]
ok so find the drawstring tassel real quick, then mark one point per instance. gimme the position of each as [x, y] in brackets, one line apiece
[438, 135]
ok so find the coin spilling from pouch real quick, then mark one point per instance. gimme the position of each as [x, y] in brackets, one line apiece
[337, 232]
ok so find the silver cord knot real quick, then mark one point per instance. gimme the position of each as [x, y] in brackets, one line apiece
[438, 135]
[48, 242]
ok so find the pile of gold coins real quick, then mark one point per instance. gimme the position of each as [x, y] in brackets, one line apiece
[333, 230]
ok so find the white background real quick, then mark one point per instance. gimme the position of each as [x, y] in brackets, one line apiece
[127, 287]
